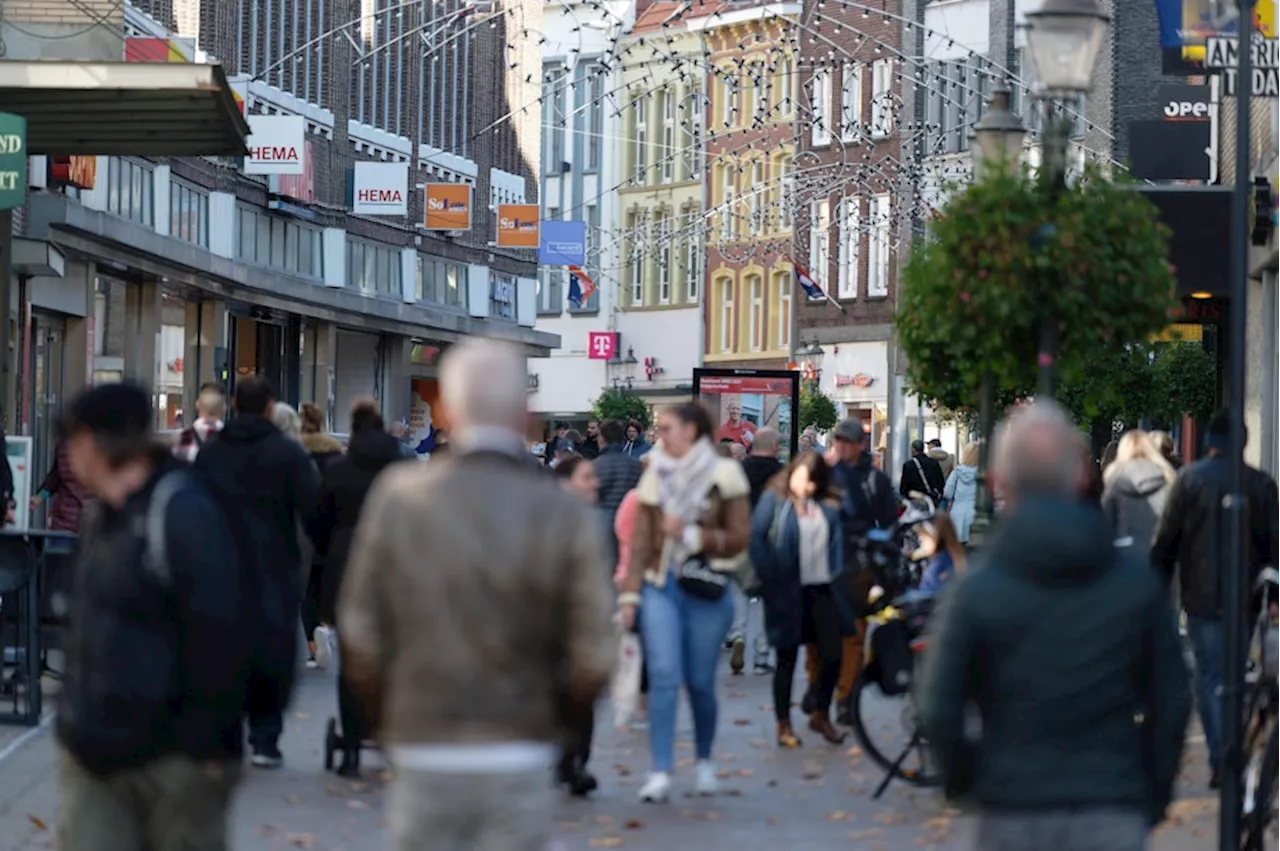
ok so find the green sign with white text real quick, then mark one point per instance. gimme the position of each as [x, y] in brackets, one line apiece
[13, 160]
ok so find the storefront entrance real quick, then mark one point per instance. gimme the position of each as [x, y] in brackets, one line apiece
[42, 397]
[270, 347]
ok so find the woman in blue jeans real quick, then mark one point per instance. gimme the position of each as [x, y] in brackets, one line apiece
[694, 518]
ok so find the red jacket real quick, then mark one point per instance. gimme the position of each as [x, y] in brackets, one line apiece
[69, 498]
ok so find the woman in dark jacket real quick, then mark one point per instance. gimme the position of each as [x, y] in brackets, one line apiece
[797, 550]
[344, 485]
[323, 449]
[69, 498]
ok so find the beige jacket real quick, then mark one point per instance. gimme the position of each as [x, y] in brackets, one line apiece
[724, 528]
[476, 605]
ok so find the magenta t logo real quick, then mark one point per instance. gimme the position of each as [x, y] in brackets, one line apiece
[601, 345]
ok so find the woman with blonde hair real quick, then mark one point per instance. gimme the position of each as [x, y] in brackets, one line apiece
[961, 492]
[285, 418]
[1134, 489]
[947, 558]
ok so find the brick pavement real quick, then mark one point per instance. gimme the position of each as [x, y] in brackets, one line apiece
[815, 797]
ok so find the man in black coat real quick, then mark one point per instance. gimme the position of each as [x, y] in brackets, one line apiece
[618, 473]
[921, 474]
[274, 484]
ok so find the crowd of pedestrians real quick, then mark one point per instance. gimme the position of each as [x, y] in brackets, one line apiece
[199, 562]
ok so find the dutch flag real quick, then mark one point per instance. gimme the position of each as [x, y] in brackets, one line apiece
[580, 286]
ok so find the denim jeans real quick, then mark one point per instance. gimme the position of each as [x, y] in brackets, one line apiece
[682, 637]
[748, 622]
[1206, 645]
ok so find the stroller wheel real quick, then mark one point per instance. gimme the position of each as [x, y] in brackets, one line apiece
[332, 743]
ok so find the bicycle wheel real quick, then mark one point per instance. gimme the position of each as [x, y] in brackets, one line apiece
[1260, 795]
[895, 746]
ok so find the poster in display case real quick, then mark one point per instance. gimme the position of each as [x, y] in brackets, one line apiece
[743, 401]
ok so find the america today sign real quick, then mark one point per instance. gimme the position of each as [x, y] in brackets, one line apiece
[1222, 55]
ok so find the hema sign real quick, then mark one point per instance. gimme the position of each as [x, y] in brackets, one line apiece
[276, 144]
[380, 189]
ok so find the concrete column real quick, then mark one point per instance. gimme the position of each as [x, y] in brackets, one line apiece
[141, 332]
[395, 377]
[319, 349]
[77, 373]
[205, 326]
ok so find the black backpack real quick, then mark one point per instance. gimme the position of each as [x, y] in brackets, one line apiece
[892, 662]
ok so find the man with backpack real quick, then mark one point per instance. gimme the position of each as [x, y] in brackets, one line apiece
[269, 488]
[149, 719]
[211, 407]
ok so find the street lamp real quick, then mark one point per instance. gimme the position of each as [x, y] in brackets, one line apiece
[624, 368]
[809, 359]
[996, 140]
[1063, 38]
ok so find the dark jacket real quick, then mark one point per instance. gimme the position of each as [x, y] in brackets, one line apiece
[590, 449]
[323, 449]
[345, 485]
[618, 473]
[636, 448]
[867, 500]
[760, 469]
[777, 564]
[931, 483]
[153, 666]
[6, 477]
[1134, 500]
[1060, 640]
[272, 484]
[69, 497]
[1188, 536]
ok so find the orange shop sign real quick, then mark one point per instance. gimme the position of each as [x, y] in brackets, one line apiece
[448, 206]
[518, 225]
[78, 171]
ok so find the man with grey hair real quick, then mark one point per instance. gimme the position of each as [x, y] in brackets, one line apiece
[1068, 650]
[476, 616]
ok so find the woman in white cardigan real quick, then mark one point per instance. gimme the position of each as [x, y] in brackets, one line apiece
[961, 492]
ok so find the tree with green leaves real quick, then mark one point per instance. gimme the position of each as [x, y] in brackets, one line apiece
[1002, 256]
[816, 408]
[1186, 378]
[614, 403]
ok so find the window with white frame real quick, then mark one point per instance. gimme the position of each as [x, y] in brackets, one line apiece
[664, 236]
[787, 189]
[131, 190]
[753, 81]
[551, 281]
[285, 244]
[881, 98]
[783, 284]
[850, 242]
[820, 241]
[726, 315]
[819, 106]
[692, 230]
[668, 152]
[730, 97]
[878, 247]
[189, 213]
[595, 116]
[728, 227]
[635, 260]
[851, 101]
[641, 136]
[786, 86]
[553, 99]
[755, 215]
[693, 120]
[373, 267]
[441, 281]
[755, 320]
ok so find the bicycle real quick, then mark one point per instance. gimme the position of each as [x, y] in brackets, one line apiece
[1262, 711]
[905, 614]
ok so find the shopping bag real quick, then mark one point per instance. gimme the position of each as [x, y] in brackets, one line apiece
[626, 681]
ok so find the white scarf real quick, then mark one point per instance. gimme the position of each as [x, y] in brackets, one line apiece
[682, 488]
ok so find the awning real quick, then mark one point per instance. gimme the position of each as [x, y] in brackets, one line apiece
[37, 258]
[151, 109]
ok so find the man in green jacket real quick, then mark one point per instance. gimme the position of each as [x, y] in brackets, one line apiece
[1069, 653]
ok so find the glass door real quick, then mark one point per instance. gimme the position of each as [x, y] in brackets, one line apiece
[48, 336]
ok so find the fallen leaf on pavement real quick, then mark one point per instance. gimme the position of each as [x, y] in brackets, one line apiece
[567, 826]
[853, 751]
[712, 815]
[353, 804]
[301, 840]
[633, 824]
[735, 695]
[812, 770]
[37, 821]
[607, 842]
[771, 820]
[385, 775]
[746, 772]
[623, 770]
[839, 815]
[758, 743]
[891, 818]
[733, 793]
[268, 830]
[304, 716]
[684, 762]
[867, 833]
[742, 722]
[603, 819]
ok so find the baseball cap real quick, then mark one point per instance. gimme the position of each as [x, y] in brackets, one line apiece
[936, 443]
[850, 430]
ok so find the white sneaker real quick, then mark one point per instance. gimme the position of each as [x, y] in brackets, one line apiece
[323, 638]
[657, 789]
[706, 783]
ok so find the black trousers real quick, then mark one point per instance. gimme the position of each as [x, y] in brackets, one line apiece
[819, 625]
[265, 704]
[577, 747]
[350, 717]
[311, 602]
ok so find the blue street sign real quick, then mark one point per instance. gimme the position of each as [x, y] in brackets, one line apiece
[563, 243]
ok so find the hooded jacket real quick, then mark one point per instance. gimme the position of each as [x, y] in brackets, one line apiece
[961, 493]
[1060, 640]
[343, 488]
[946, 461]
[1133, 500]
[323, 449]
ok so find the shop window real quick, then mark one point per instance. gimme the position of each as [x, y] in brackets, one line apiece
[280, 243]
[373, 268]
[502, 297]
[189, 213]
[130, 190]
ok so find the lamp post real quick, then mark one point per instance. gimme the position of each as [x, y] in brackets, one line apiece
[996, 142]
[624, 368]
[809, 358]
[1063, 39]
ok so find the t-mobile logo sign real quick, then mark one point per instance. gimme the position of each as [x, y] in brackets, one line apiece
[601, 345]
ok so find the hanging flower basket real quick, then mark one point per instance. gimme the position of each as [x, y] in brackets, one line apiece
[1001, 255]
